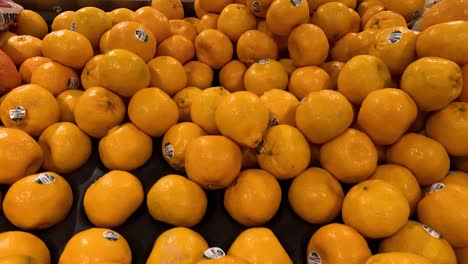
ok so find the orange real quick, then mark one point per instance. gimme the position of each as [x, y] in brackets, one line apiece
[10, 78]
[67, 47]
[259, 7]
[375, 208]
[422, 240]
[133, 37]
[128, 156]
[153, 111]
[242, 117]
[121, 14]
[464, 95]
[314, 4]
[199, 12]
[316, 196]
[104, 42]
[23, 243]
[184, 99]
[352, 44]
[397, 258]
[65, 146]
[449, 127]
[284, 15]
[22, 47]
[336, 20]
[177, 201]
[96, 245]
[445, 84]
[234, 20]
[29, 65]
[365, 5]
[253, 198]
[444, 208]
[284, 152]
[231, 76]
[204, 107]
[63, 20]
[444, 12]
[178, 47]
[401, 178]
[55, 77]
[91, 22]
[155, 21]
[207, 21]
[213, 161]
[168, 74]
[48, 201]
[362, 75]
[425, 157]
[324, 115]
[308, 79]
[385, 19]
[282, 106]
[214, 6]
[67, 101]
[30, 108]
[31, 23]
[113, 198]
[337, 243]
[390, 104]
[366, 16]
[456, 177]
[175, 142]
[314, 52]
[16, 141]
[214, 48]
[98, 110]
[265, 75]
[172, 9]
[199, 74]
[333, 68]
[407, 10]
[183, 28]
[254, 45]
[351, 157]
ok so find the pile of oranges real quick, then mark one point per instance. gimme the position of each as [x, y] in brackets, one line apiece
[329, 95]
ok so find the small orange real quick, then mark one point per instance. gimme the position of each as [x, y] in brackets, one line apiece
[214, 48]
[282, 106]
[23, 243]
[308, 45]
[199, 74]
[456, 177]
[104, 42]
[55, 77]
[91, 22]
[307, 79]
[284, 15]
[254, 45]
[63, 20]
[366, 16]
[121, 14]
[214, 6]
[199, 12]
[29, 65]
[408, 10]
[231, 76]
[184, 28]
[178, 47]
[364, 5]
[385, 19]
[22, 47]
[184, 99]
[67, 47]
[172, 9]
[155, 21]
[31, 23]
[88, 74]
[207, 21]
[333, 68]
[204, 106]
[235, 19]
[264, 75]
[133, 37]
[351, 45]
[168, 74]
[67, 101]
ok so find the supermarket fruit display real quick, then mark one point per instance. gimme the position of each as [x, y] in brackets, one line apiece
[234, 131]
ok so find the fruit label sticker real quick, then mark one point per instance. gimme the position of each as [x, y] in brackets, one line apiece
[256, 6]
[141, 35]
[395, 37]
[17, 114]
[436, 187]
[73, 83]
[296, 2]
[45, 178]
[263, 61]
[214, 253]
[110, 235]
[273, 121]
[169, 150]
[260, 147]
[73, 26]
[431, 231]
[314, 258]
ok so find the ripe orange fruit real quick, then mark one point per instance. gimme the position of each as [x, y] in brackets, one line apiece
[314, 4]
[425, 157]
[282, 106]
[265, 75]
[183, 28]
[352, 44]
[184, 99]
[390, 104]
[204, 107]
[104, 42]
[121, 14]
[214, 48]
[199, 74]
[199, 12]
[326, 103]
[29, 22]
[443, 12]
[55, 77]
[231, 76]
[407, 10]
[63, 20]
[314, 52]
[397, 257]
[168, 74]
[284, 15]
[234, 20]
[67, 47]
[133, 37]
[89, 76]
[255, 45]
[338, 243]
[456, 177]
[178, 47]
[308, 79]
[29, 65]
[385, 19]
[214, 6]
[22, 47]
[67, 101]
[207, 21]
[10, 78]
[155, 21]
[172, 9]
[91, 22]
[369, 13]
[23, 243]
